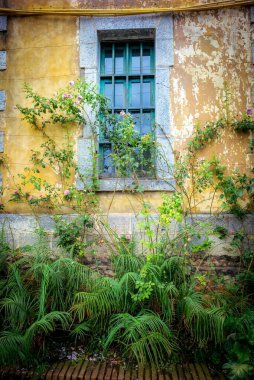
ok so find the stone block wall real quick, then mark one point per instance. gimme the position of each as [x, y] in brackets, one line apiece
[20, 231]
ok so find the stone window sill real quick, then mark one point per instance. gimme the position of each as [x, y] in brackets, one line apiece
[121, 184]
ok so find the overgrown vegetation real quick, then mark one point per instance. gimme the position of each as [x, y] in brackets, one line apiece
[155, 309]
[159, 305]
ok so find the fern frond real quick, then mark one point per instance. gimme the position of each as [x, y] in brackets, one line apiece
[48, 324]
[166, 295]
[127, 262]
[174, 270]
[99, 303]
[128, 285]
[153, 348]
[18, 308]
[145, 336]
[204, 323]
[82, 330]
[11, 343]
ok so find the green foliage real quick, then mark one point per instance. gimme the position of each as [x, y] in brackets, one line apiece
[71, 235]
[203, 136]
[4, 246]
[66, 111]
[65, 108]
[239, 346]
[144, 337]
[133, 154]
[245, 124]
[35, 302]
[221, 231]
[170, 209]
[152, 309]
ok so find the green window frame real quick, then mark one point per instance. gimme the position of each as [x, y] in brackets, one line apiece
[127, 79]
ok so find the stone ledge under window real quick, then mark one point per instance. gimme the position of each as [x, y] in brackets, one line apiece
[121, 184]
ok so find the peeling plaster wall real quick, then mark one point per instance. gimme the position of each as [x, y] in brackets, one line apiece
[210, 48]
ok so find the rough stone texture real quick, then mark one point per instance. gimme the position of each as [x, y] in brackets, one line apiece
[128, 184]
[1, 141]
[3, 56]
[222, 257]
[2, 100]
[85, 161]
[122, 223]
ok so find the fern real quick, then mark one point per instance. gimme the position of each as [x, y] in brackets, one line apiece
[174, 270]
[11, 352]
[100, 303]
[204, 323]
[126, 262]
[239, 371]
[144, 337]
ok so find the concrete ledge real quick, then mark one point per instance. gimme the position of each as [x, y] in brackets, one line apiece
[121, 184]
[20, 228]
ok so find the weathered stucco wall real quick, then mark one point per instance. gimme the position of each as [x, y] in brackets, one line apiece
[210, 48]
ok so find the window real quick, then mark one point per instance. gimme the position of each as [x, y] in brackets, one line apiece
[96, 32]
[127, 71]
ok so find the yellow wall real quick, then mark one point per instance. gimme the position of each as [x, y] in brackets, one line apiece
[210, 48]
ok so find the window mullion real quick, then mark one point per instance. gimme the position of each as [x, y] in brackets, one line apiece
[113, 77]
[141, 84]
[127, 77]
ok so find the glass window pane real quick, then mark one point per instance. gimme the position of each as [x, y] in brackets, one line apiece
[146, 123]
[135, 60]
[104, 135]
[137, 121]
[119, 95]
[146, 94]
[135, 95]
[108, 61]
[108, 92]
[119, 60]
[137, 98]
[146, 62]
[107, 162]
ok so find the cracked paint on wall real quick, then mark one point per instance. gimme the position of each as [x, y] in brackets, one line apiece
[212, 50]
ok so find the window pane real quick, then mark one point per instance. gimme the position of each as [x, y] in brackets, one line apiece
[135, 60]
[146, 123]
[127, 80]
[146, 94]
[104, 135]
[119, 60]
[108, 61]
[108, 92]
[119, 95]
[146, 62]
[137, 121]
[107, 162]
[135, 95]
